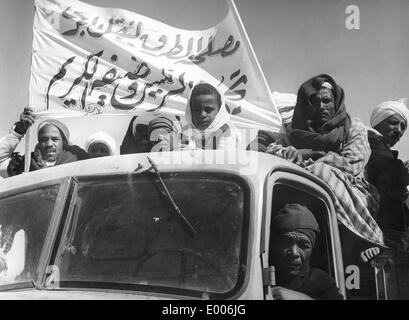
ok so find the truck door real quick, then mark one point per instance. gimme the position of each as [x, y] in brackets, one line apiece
[287, 188]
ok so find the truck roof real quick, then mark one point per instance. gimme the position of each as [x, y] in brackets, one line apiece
[252, 164]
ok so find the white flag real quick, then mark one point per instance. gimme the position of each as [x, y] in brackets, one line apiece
[91, 60]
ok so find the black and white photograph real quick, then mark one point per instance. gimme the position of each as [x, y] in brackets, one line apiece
[204, 150]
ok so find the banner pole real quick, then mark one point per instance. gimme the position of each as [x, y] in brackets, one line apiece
[27, 153]
[253, 56]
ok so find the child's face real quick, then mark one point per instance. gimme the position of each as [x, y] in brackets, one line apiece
[204, 109]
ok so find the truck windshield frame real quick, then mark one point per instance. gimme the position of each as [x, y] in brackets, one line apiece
[123, 236]
[25, 222]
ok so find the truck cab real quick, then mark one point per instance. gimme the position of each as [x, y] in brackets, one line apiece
[170, 225]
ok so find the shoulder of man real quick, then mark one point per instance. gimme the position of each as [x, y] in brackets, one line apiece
[74, 151]
[378, 146]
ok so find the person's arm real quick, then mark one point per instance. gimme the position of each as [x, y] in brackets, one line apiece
[10, 141]
[281, 293]
[8, 144]
[354, 155]
[262, 141]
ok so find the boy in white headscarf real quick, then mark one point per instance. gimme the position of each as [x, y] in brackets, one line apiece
[100, 144]
[209, 125]
[389, 121]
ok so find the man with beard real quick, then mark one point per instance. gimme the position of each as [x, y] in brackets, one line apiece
[389, 121]
[53, 147]
[294, 231]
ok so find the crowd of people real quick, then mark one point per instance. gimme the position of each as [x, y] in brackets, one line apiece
[368, 179]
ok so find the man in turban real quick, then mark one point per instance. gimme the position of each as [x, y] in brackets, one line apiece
[294, 231]
[100, 144]
[389, 121]
[53, 147]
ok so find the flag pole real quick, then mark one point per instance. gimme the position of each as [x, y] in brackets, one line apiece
[27, 153]
[252, 54]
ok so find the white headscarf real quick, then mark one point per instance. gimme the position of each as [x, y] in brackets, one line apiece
[222, 118]
[387, 109]
[104, 138]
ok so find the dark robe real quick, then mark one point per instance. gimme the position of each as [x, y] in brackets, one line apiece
[390, 176]
[69, 154]
[316, 284]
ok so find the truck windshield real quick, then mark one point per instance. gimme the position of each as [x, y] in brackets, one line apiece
[24, 221]
[124, 234]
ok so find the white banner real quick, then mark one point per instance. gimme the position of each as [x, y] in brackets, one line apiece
[91, 60]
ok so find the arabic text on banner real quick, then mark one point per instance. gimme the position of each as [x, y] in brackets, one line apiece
[91, 60]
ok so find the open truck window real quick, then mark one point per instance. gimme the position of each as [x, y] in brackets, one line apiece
[303, 258]
[322, 253]
[123, 233]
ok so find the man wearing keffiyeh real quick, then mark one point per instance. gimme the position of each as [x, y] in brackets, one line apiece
[334, 147]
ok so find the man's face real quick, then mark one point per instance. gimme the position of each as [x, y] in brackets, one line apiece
[98, 149]
[290, 252]
[392, 129]
[323, 106]
[204, 109]
[50, 142]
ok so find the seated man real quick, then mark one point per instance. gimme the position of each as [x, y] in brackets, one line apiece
[100, 144]
[53, 147]
[335, 148]
[294, 231]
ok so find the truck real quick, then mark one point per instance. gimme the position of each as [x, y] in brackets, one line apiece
[171, 225]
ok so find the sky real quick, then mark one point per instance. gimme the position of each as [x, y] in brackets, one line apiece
[293, 40]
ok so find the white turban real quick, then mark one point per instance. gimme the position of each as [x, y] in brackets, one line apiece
[387, 109]
[104, 138]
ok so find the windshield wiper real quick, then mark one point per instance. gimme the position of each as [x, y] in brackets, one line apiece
[172, 202]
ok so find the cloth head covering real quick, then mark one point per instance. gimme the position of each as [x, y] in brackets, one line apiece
[104, 138]
[295, 217]
[59, 125]
[387, 109]
[222, 116]
[330, 135]
[162, 122]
